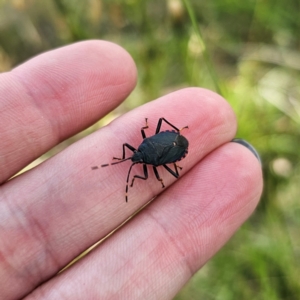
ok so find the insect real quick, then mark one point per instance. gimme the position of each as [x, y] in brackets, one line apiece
[165, 147]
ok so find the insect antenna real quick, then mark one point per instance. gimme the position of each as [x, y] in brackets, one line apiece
[128, 175]
[114, 163]
[127, 180]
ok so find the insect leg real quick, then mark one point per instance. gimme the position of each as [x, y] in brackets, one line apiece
[129, 147]
[160, 122]
[158, 177]
[145, 127]
[176, 173]
[176, 166]
[140, 177]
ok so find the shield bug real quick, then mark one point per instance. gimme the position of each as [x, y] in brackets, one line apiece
[165, 147]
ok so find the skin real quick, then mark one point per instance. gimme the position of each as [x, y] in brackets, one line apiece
[52, 213]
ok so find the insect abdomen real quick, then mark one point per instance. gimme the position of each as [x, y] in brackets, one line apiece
[164, 148]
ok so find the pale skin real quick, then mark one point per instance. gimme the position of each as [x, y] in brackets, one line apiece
[52, 213]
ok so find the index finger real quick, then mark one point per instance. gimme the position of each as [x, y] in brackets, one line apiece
[57, 94]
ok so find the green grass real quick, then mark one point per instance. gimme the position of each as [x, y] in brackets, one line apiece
[248, 51]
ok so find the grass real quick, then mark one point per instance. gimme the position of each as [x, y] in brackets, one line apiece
[248, 51]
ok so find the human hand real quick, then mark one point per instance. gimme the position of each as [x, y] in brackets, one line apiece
[52, 213]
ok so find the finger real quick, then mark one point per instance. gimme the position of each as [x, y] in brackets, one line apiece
[56, 95]
[63, 206]
[160, 250]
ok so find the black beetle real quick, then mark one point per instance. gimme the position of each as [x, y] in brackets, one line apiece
[165, 147]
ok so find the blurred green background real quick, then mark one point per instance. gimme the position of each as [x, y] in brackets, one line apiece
[249, 51]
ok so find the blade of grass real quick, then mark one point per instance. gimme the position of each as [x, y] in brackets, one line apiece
[218, 86]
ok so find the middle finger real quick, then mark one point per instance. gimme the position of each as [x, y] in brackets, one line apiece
[67, 207]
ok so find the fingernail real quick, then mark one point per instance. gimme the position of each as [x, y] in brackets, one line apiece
[248, 146]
